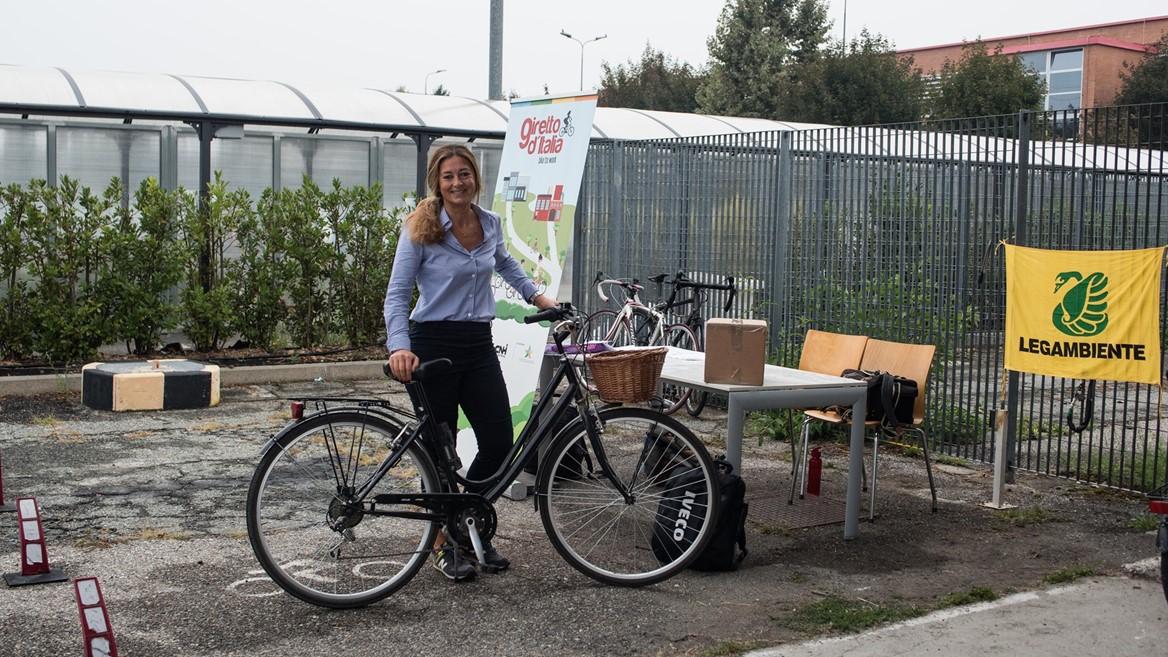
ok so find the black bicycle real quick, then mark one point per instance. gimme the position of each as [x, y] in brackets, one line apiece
[695, 400]
[345, 504]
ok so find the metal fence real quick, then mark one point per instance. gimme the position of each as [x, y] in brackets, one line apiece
[893, 232]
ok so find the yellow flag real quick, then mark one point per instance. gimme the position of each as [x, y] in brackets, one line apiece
[1084, 314]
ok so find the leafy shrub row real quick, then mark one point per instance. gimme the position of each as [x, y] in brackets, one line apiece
[302, 266]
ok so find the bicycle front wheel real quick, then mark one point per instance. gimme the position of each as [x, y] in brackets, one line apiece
[652, 533]
[308, 535]
[607, 326]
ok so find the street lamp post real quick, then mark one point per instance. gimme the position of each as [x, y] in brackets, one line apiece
[426, 83]
[582, 44]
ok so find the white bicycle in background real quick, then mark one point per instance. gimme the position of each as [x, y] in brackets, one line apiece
[637, 324]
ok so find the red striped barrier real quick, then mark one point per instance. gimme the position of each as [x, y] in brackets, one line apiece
[34, 557]
[95, 622]
[4, 506]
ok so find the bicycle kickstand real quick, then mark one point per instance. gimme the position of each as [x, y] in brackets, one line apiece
[477, 542]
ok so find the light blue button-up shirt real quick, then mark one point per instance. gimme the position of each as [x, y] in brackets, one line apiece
[454, 284]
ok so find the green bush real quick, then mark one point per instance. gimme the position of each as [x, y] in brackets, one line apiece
[64, 227]
[145, 263]
[79, 269]
[260, 272]
[208, 298]
[16, 322]
[310, 256]
[365, 238]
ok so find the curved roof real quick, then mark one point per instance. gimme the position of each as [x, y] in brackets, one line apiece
[60, 91]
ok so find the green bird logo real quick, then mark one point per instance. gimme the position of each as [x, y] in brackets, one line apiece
[1082, 311]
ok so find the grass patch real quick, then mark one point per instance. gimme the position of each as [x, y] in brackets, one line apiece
[1026, 516]
[91, 540]
[1069, 574]
[45, 421]
[730, 648]
[1139, 472]
[912, 452]
[973, 595]
[156, 534]
[768, 529]
[784, 423]
[945, 459]
[1145, 522]
[66, 437]
[836, 614]
[207, 427]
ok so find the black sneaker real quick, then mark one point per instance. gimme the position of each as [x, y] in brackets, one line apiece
[452, 566]
[495, 562]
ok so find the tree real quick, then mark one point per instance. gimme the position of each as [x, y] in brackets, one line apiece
[441, 91]
[982, 83]
[1146, 81]
[657, 82]
[865, 84]
[755, 51]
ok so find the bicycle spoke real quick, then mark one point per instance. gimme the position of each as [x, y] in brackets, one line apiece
[292, 512]
[611, 537]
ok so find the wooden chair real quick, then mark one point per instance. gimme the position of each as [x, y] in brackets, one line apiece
[912, 361]
[825, 353]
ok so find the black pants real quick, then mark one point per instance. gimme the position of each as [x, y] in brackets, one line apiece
[475, 383]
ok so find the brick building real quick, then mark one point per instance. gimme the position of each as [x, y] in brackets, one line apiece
[1081, 65]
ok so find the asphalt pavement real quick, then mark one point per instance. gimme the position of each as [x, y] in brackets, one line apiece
[152, 504]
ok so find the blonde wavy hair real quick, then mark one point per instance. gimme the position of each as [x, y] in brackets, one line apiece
[423, 223]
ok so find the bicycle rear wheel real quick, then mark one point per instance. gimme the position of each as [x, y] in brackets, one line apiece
[674, 396]
[649, 536]
[307, 535]
[697, 398]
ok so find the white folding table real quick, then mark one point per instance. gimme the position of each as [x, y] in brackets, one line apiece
[782, 387]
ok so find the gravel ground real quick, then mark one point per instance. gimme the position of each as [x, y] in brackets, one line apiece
[152, 503]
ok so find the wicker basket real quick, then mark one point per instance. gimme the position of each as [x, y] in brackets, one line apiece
[627, 375]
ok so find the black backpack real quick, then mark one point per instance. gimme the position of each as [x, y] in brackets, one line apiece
[890, 398]
[677, 525]
[730, 532]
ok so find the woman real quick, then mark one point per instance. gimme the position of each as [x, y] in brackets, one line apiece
[449, 249]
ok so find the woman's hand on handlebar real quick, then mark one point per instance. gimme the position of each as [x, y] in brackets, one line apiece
[543, 302]
[402, 364]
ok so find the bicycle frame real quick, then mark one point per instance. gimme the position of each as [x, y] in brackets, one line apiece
[526, 446]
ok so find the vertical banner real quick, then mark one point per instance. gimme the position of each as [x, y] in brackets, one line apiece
[535, 196]
[1084, 314]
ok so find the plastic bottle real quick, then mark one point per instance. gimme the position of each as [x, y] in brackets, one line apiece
[814, 472]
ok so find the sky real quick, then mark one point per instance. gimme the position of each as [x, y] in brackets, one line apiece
[388, 44]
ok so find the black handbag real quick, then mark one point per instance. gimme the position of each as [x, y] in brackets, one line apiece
[891, 398]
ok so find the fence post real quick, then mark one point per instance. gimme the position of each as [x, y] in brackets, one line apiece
[578, 249]
[1021, 210]
[782, 236]
[965, 191]
[616, 211]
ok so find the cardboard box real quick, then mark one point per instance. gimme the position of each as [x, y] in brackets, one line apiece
[735, 351]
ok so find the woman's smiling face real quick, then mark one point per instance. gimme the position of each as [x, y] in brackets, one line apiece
[456, 181]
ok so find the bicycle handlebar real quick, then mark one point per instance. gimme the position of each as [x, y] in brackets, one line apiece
[631, 289]
[548, 314]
